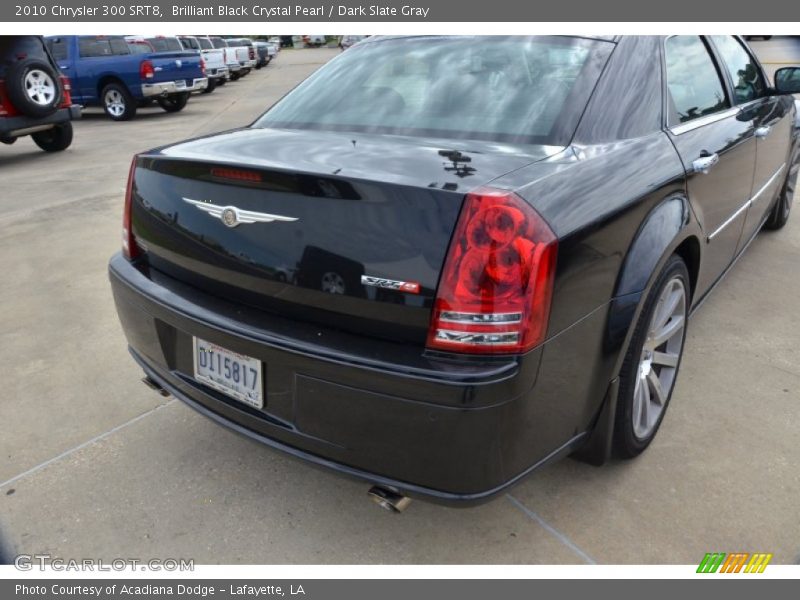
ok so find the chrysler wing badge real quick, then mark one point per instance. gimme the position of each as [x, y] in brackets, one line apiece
[232, 216]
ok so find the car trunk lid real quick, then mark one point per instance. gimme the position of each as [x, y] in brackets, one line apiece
[319, 226]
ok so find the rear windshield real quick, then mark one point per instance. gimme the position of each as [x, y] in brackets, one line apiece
[522, 89]
[165, 44]
[204, 44]
[139, 48]
[219, 42]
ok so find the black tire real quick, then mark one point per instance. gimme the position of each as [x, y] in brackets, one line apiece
[783, 205]
[212, 85]
[117, 102]
[627, 444]
[54, 140]
[221, 81]
[174, 102]
[33, 87]
[235, 75]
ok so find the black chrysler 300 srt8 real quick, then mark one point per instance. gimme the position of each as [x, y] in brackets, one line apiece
[440, 262]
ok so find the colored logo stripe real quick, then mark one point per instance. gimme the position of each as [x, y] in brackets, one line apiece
[711, 562]
[758, 563]
[734, 562]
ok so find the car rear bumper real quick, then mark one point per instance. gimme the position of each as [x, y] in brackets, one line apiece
[165, 88]
[455, 432]
[218, 73]
[22, 125]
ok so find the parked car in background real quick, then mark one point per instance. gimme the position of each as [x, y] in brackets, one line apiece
[347, 41]
[264, 53]
[314, 41]
[214, 59]
[35, 98]
[104, 72]
[245, 52]
[441, 263]
[231, 60]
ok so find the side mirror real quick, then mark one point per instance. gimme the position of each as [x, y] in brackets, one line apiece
[787, 80]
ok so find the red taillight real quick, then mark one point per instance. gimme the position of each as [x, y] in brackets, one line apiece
[146, 70]
[202, 66]
[240, 174]
[66, 99]
[252, 52]
[497, 282]
[4, 110]
[129, 248]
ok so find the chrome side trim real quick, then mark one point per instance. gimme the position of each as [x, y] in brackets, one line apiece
[702, 121]
[746, 205]
[729, 220]
[766, 185]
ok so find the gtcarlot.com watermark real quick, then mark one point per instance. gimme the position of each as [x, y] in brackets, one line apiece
[42, 562]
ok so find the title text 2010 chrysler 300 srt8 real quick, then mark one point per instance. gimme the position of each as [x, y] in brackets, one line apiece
[441, 262]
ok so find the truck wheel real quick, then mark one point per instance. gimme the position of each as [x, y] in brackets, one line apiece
[651, 364]
[118, 102]
[33, 87]
[212, 85]
[54, 140]
[222, 81]
[174, 102]
[235, 75]
[783, 206]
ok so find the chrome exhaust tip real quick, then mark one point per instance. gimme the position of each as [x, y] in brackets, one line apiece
[153, 385]
[389, 499]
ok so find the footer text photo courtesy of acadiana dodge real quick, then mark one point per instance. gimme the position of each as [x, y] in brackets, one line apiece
[441, 262]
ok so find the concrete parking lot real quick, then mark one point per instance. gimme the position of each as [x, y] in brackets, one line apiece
[94, 464]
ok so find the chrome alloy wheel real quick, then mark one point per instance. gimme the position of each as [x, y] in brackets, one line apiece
[40, 87]
[659, 360]
[115, 103]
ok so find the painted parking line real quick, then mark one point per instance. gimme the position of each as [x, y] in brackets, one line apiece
[555, 532]
[97, 438]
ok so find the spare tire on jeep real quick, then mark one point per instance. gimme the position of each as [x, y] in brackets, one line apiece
[34, 87]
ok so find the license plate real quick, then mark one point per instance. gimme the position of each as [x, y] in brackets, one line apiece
[231, 373]
[180, 84]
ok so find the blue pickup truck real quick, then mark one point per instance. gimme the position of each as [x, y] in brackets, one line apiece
[104, 72]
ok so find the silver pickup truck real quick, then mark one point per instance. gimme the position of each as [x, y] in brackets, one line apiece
[237, 58]
[217, 70]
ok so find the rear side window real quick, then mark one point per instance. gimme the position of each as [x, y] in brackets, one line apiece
[94, 47]
[165, 44]
[748, 83]
[58, 48]
[189, 44]
[521, 89]
[694, 84]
